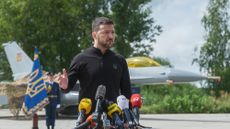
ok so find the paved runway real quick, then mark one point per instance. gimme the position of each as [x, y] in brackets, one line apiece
[156, 121]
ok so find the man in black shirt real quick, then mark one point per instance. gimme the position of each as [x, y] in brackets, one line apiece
[98, 65]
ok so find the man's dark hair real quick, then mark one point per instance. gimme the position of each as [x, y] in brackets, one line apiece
[100, 21]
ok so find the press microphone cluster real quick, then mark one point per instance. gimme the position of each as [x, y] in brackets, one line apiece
[84, 109]
[104, 108]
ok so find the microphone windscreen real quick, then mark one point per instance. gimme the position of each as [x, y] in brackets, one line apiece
[122, 102]
[136, 100]
[85, 104]
[113, 108]
[100, 94]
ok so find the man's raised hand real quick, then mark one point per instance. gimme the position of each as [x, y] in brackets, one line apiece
[63, 79]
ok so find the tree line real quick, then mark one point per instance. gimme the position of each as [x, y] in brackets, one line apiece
[214, 55]
[62, 28]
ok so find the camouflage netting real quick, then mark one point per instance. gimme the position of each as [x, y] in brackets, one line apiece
[15, 94]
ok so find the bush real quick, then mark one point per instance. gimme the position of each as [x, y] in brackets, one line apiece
[4, 106]
[184, 98]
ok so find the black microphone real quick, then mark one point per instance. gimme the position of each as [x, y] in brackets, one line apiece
[123, 104]
[100, 94]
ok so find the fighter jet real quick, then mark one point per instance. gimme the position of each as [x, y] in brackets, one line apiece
[142, 70]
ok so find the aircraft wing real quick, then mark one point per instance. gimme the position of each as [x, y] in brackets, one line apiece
[20, 63]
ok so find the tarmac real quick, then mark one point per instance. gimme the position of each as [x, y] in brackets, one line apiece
[156, 121]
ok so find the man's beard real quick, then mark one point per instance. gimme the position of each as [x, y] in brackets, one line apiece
[107, 44]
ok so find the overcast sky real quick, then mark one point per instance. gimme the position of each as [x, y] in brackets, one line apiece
[182, 30]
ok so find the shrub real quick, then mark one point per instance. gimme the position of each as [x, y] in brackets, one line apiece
[183, 98]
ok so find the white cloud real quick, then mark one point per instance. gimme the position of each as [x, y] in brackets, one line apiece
[182, 30]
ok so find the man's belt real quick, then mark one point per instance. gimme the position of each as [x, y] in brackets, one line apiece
[52, 96]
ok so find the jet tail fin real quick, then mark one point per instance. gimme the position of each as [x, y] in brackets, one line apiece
[20, 63]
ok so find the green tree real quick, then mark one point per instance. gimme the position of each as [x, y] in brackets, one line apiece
[163, 61]
[62, 28]
[3, 67]
[215, 53]
[134, 25]
[59, 28]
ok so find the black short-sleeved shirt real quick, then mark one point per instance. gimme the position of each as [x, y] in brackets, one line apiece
[92, 68]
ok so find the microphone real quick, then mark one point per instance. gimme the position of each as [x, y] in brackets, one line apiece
[136, 105]
[89, 122]
[113, 112]
[106, 121]
[100, 94]
[123, 104]
[84, 108]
